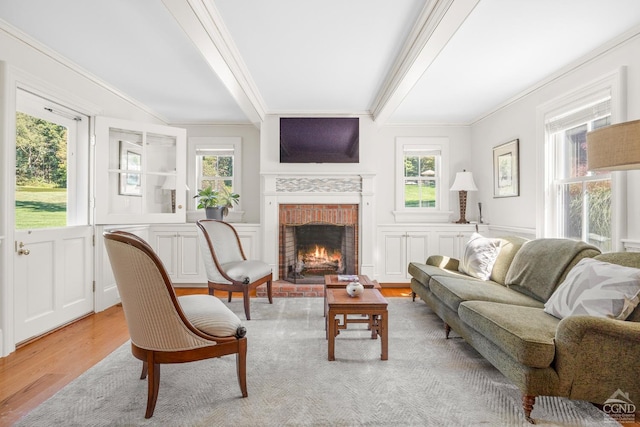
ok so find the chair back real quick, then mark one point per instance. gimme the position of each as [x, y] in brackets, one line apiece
[152, 312]
[219, 245]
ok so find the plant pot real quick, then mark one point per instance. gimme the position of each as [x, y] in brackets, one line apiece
[215, 212]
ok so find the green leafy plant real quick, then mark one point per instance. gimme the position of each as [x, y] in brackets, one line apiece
[210, 198]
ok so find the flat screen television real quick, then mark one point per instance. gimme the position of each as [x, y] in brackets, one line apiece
[319, 140]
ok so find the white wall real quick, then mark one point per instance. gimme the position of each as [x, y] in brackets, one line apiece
[377, 155]
[460, 158]
[22, 64]
[518, 120]
[250, 191]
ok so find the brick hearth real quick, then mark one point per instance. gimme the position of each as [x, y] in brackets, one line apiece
[284, 289]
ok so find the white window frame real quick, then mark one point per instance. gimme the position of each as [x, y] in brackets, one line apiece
[198, 144]
[441, 212]
[547, 220]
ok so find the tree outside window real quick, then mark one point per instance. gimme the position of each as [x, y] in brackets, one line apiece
[420, 179]
[216, 171]
[584, 197]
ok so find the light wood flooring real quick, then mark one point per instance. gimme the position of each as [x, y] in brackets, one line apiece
[37, 370]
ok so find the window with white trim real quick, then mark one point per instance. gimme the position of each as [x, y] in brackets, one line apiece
[422, 179]
[215, 162]
[580, 199]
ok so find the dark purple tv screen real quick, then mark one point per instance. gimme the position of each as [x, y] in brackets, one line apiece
[319, 140]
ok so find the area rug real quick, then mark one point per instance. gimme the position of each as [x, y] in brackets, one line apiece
[427, 381]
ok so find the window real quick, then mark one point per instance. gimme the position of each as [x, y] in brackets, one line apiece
[421, 190]
[421, 178]
[580, 200]
[214, 161]
[51, 173]
[215, 169]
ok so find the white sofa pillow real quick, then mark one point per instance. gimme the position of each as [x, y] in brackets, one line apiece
[480, 254]
[596, 288]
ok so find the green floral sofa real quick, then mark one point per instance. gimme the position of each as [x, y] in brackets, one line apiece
[585, 357]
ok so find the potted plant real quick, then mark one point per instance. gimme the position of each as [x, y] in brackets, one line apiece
[216, 203]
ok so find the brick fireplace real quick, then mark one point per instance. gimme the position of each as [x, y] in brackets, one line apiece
[317, 239]
[352, 196]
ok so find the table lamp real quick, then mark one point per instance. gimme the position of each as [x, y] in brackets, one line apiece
[463, 183]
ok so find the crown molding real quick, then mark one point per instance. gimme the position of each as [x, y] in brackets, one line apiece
[32, 43]
[590, 57]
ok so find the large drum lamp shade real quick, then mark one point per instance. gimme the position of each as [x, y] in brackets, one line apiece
[615, 147]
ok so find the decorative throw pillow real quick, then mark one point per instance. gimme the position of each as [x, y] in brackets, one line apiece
[480, 254]
[596, 288]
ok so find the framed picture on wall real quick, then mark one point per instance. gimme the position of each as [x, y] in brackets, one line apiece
[506, 171]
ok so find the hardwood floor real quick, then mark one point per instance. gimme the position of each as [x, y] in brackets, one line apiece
[37, 370]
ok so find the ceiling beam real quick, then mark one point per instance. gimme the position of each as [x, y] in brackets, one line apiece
[437, 23]
[203, 24]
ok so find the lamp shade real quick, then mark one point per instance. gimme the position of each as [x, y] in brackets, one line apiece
[464, 182]
[615, 147]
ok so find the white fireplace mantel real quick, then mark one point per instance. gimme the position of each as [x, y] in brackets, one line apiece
[297, 188]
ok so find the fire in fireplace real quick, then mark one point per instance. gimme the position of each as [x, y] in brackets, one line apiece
[318, 249]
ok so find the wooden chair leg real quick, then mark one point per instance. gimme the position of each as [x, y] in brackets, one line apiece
[153, 384]
[143, 374]
[247, 301]
[447, 330]
[527, 405]
[269, 295]
[230, 294]
[241, 365]
[413, 296]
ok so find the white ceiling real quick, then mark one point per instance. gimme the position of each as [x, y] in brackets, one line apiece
[403, 61]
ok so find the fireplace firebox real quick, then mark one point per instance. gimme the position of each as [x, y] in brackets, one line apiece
[316, 240]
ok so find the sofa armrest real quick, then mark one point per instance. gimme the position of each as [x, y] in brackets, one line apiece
[443, 262]
[596, 356]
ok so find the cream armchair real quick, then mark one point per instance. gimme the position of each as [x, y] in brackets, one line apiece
[164, 328]
[227, 267]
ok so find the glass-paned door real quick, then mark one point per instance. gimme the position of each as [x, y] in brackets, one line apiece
[140, 172]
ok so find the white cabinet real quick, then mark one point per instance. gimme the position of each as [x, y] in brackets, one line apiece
[451, 243]
[398, 245]
[399, 248]
[140, 173]
[178, 248]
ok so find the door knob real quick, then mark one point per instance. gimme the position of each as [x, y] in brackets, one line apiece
[22, 250]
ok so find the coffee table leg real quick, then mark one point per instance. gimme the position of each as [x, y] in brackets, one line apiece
[384, 335]
[331, 332]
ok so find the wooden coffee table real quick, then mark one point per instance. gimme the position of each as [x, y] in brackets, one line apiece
[332, 281]
[370, 303]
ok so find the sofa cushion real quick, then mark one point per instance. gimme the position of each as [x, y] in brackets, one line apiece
[423, 272]
[596, 288]
[628, 259]
[525, 333]
[540, 265]
[508, 249]
[453, 290]
[480, 254]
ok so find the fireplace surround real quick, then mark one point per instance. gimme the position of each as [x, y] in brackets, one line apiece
[356, 190]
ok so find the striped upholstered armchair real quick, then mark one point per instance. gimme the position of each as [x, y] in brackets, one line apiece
[165, 328]
[228, 269]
